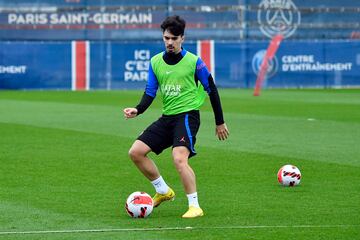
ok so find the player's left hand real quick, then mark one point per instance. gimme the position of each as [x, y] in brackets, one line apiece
[222, 131]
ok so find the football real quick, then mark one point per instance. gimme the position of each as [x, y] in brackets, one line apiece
[289, 175]
[139, 205]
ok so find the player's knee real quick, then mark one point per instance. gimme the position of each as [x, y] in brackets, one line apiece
[180, 162]
[135, 155]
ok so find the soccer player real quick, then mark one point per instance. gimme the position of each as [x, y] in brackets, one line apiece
[182, 78]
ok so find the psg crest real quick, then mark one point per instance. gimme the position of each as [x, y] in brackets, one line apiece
[278, 17]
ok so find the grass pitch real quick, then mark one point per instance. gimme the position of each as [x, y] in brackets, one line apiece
[65, 171]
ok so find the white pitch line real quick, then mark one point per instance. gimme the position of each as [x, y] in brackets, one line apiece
[171, 229]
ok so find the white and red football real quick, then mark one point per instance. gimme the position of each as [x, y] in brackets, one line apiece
[139, 205]
[289, 176]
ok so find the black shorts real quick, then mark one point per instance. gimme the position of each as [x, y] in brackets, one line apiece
[172, 130]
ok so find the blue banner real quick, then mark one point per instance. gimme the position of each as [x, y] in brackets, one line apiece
[109, 65]
[35, 65]
[309, 64]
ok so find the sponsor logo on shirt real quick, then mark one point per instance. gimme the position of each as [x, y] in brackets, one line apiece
[171, 89]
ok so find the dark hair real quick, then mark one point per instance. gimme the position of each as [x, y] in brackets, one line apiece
[174, 24]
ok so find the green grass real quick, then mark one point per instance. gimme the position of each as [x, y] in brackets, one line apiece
[64, 166]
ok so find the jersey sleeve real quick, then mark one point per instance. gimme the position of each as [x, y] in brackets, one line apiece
[150, 92]
[204, 76]
[152, 83]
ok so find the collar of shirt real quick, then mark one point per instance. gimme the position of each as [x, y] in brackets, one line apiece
[173, 59]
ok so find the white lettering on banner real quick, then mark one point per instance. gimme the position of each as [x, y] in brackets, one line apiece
[137, 69]
[135, 76]
[137, 65]
[115, 18]
[303, 63]
[277, 4]
[12, 69]
[27, 18]
[142, 54]
[79, 18]
[317, 67]
[297, 58]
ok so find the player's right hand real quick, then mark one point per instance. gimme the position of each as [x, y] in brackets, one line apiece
[130, 112]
